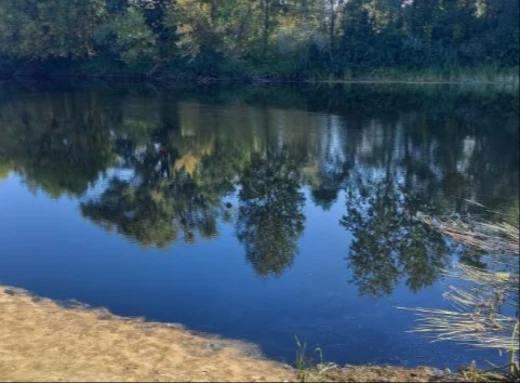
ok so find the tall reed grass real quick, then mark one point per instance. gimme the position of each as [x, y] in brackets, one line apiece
[485, 305]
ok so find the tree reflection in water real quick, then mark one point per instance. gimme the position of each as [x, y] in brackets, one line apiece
[158, 170]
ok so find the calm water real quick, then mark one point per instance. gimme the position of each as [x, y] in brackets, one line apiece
[258, 214]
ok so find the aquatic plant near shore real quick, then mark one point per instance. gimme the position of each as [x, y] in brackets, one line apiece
[485, 310]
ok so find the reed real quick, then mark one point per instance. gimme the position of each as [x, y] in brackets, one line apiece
[485, 309]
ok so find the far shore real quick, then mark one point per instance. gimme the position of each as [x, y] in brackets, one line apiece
[41, 340]
[508, 79]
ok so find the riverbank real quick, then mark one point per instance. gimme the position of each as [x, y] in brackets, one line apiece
[41, 340]
[504, 77]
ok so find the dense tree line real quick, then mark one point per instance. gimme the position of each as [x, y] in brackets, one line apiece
[262, 38]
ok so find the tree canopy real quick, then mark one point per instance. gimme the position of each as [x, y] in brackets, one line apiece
[266, 38]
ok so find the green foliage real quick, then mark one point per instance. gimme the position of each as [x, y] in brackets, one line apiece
[134, 39]
[264, 39]
[308, 369]
[35, 29]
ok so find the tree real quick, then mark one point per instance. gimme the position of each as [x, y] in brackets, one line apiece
[135, 41]
[259, 38]
[49, 29]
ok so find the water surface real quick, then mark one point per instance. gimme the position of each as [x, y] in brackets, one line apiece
[254, 213]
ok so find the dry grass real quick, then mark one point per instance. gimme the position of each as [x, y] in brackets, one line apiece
[42, 341]
[485, 311]
[477, 319]
[485, 236]
[331, 373]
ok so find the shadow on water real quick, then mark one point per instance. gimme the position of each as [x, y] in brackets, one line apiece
[165, 167]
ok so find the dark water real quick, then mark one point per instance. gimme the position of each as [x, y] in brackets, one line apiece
[258, 214]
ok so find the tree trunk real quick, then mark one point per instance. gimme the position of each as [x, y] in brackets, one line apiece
[334, 7]
[332, 29]
[267, 22]
[213, 12]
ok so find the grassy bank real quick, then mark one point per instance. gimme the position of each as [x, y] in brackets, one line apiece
[41, 340]
[503, 76]
[491, 75]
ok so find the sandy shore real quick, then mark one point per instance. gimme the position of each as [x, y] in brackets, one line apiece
[40, 340]
[43, 341]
